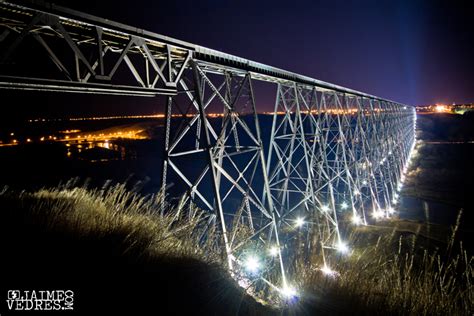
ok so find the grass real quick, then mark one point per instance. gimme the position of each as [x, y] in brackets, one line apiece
[395, 273]
[114, 249]
[117, 253]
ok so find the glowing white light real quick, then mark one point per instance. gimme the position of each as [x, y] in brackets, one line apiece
[378, 214]
[252, 264]
[356, 220]
[324, 208]
[344, 205]
[327, 271]
[299, 222]
[356, 192]
[274, 251]
[245, 283]
[399, 186]
[394, 201]
[364, 182]
[288, 292]
[391, 210]
[342, 247]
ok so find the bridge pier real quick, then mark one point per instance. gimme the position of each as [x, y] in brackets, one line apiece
[228, 148]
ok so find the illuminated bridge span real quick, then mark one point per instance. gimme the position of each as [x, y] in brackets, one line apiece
[330, 157]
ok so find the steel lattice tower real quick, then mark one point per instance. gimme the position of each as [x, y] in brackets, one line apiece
[334, 155]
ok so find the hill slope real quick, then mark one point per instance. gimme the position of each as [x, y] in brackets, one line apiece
[116, 256]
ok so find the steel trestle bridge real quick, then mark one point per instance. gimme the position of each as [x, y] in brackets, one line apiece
[333, 156]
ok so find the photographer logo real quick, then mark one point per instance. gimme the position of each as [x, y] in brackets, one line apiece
[40, 300]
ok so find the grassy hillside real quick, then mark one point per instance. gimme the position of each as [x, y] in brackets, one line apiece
[117, 255]
[394, 270]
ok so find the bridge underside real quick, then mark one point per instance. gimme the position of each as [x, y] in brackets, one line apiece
[328, 157]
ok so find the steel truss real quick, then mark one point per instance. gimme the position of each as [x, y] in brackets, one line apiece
[88, 58]
[335, 156]
[227, 153]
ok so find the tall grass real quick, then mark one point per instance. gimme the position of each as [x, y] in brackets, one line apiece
[398, 274]
[104, 211]
[122, 240]
[395, 273]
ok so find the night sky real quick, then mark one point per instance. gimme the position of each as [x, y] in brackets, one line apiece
[414, 52]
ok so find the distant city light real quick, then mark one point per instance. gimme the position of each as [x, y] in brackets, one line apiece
[324, 208]
[441, 108]
[344, 205]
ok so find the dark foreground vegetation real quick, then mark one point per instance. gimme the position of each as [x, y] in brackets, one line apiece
[119, 256]
[115, 253]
